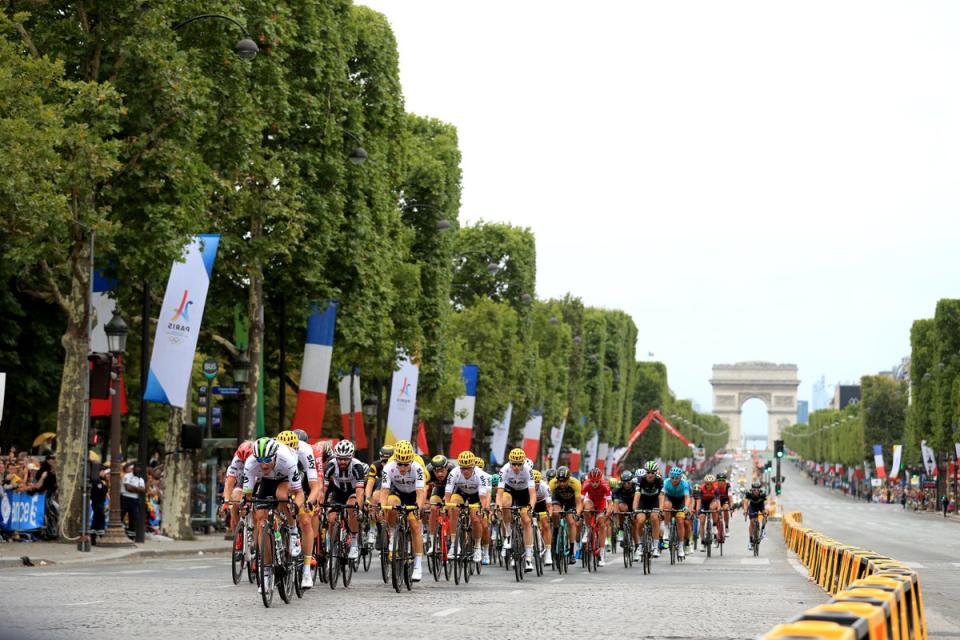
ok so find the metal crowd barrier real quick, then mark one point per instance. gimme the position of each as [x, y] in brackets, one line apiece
[874, 596]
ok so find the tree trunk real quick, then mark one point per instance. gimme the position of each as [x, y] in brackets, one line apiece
[255, 348]
[71, 410]
[177, 481]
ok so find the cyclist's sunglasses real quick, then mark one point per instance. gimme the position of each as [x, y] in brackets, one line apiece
[265, 460]
[403, 464]
[516, 464]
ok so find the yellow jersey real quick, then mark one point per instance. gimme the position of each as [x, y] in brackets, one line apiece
[571, 491]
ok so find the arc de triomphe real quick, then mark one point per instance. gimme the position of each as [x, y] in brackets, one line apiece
[774, 384]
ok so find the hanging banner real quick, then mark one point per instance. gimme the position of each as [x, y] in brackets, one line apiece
[498, 438]
[895, 466]
[461, 438]
[178, 326]
[3, 387]
[21, 511]
[422, 448]
[403, 400]
[929, 459]
[574, 462]
[603, 451]
[531, 434]
[956, 445]
[878, 461]
[315, 372]
[591, 450]
[556, 441]
[352, 429]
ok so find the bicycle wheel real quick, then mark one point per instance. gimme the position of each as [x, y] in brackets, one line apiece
[456, 557]
[516, 551]
[265, 576]
[465, 555]
[238, 557]
[346, 565]
[384, 537]
[298, 576]
[627, 549]
[444, 548]
[647, 550]
[596, 548]
[396, 563]
[367, 551]
[537, 549]
[408, 560]
[281, 570]
[672, 542]
[708, 538]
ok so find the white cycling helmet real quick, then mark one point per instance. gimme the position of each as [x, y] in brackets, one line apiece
[344, 449]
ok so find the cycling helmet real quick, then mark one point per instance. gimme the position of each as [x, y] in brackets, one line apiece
[721, 476]
[244, 450]
[537, 476]
[551, 474]
[709, 478]
[756, 485]
[403, 452]
[595, 474]
[302, 435]
[626, 476]
[676, 472]
[288, 438]
[696, 487]
[344, 449]
[386, 451]
[466, 459]
[477, 460]
[438, 461]
[652, 467]
[265, 448]
[563, 473]
[517, 456]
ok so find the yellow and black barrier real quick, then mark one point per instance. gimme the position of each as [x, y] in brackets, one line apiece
[874, 596]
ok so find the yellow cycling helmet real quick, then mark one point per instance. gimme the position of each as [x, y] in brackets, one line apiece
[288, 438]
[537, 476]
[517, 456]
[477, 460]
[466, 459]
[403, 452]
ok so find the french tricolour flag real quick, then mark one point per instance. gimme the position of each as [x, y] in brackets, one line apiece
[461, 438]
[356, 432]
[315, 373]
[531, 434]
[878, 460]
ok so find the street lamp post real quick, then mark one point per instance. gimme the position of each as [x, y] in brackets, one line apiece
[245, 48]
[116, 331]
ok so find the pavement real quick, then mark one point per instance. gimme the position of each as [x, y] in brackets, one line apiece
[55, 553]
[926, 541]
[733, 596]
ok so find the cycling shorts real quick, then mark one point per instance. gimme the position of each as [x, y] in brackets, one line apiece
[648, 503]
[468, 498]
[676, 502]
[521, 497]
[540, 507]
[406, 499]
[336, 495]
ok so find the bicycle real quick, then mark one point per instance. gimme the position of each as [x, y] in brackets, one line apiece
[274, 543]
[647, 542]
[537, 543]
[591, 547]
[366, 547]
[674, 538]
[242, 545]
[626, 530]
[463, 543]
[401, 551]
[758, 524]
[338, 547]
[561, 543]
[708, 537]
[515, 557]
[437, 557]
[495, 549]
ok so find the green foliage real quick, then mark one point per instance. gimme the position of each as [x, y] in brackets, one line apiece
[495, 261]
[883, 403]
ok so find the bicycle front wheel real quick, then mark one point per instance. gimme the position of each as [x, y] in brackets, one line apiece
[333, 555]
[265, 575]
[238, 560]
[385, 564]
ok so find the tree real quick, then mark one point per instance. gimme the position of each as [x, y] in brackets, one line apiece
[920, 415]
[883, 403]
[650, 392]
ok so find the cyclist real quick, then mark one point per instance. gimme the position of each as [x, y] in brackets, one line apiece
[519, 490]
[549, 475]
[709, 501]
[650, 498]
[596, 498]
[677, 491]
[372, 489]
[273, 469]
[723, 495]
[756, 500]
[565, 495]
[343, 478]
[233, 482]
[493, 481]
[439, 468]
[305, 467]
[696, 492]
[626, 498]
[467, 484]
[541, 510]
[403, 482]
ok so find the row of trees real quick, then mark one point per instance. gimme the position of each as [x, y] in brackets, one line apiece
[125, 137]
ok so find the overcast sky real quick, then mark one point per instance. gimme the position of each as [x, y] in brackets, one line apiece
[749, 180]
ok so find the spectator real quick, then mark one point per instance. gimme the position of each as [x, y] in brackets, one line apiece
[99, 488]
[46, 483]
[132, 487]
[945, 503]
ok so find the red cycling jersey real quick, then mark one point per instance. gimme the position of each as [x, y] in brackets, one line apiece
[598, 494]
[723, 489]
[708, 491]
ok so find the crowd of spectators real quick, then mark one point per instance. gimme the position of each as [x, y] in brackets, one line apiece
[33, 474]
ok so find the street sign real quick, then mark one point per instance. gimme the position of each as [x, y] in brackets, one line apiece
[216, 417]
[226, 391]
[210, 368]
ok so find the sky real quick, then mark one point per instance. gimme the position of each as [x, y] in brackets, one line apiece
[749, 180]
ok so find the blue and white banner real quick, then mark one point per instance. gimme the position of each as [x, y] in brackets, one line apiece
[103, 307]
[403, 400]
[461, 438]
[21, 511]
[178, 326]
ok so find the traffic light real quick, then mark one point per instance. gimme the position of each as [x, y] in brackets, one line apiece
[778, 448]
[767, 464]
[777, 488]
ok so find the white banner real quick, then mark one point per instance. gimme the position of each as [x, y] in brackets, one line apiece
[895, 467]
[498, 440]
[618, 454]
[3, 386]
[103, 307]
[929, 459]
[591, 450]
[403, 401]
[556, 441]
[603, 450]
[531, 436]
[956, 445]
[178, 326]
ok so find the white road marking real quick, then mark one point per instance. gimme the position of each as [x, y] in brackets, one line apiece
[956, 564]
[77, 604]
[194, 568]
[915, 565]
[691, 559]
[516, 592]
[226, 586]
[755, 561]
[445, 612]
[133, 571]
[561, 579]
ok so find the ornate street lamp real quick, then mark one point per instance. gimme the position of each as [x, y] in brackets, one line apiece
[116, 330]
[245, 48]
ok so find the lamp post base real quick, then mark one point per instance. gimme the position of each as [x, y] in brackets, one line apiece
[115, 537]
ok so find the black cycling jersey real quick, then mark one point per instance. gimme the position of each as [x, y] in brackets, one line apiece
[650, 489]
[625, 492]
[756, 501]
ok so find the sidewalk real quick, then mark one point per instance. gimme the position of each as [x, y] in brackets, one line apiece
[951, 517]
[50, 553]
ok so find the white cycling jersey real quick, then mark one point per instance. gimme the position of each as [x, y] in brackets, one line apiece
[543, 492]
[402, 482]
[477, 483]
[517, 479]
[284, 469]
[235, 470]
[307, 463]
